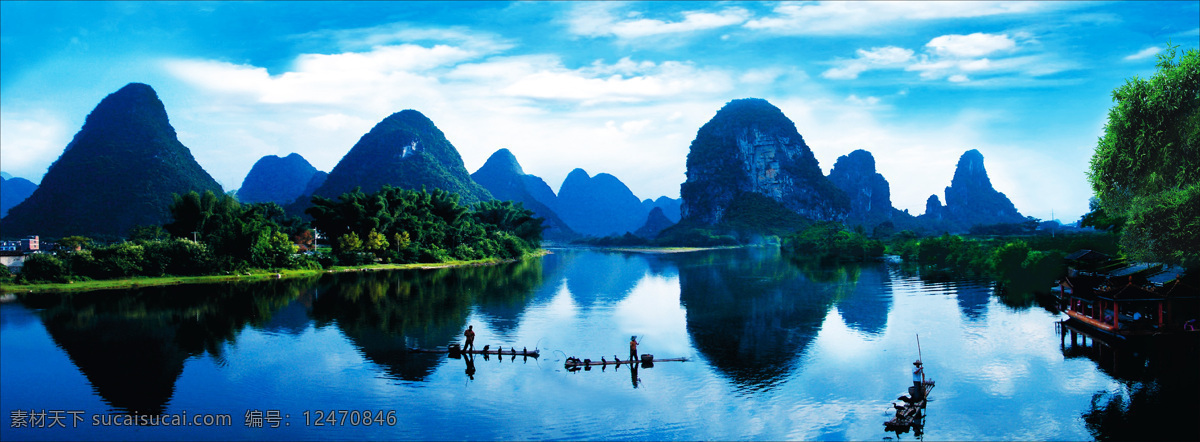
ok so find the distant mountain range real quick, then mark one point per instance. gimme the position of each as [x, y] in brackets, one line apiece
[599, 206]
[503, 177]
[280, 180]
[13, 190]
[751, 158]
[747, 165]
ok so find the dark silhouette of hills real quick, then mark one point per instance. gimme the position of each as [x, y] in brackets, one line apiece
[970, 199]
[13, 190]
[671, 207]
[868, 191]
[279, 180]
[750, 317]
[119, 171]
[750, 147]
[599, 206]
[503, 177]
[404, 150]
[656, 222]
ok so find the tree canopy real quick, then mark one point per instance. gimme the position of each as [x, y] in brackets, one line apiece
[239, 234]
[427, 226]
[1146, 168]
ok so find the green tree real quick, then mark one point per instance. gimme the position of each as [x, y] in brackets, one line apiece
[42, 267]
[1007, 260]
[74, 242]
[402, 240]
[830, 241]
[350, 243]
[427, 226]
[513, 218]
[148, 233]
[238, 235]
[375, 242]
[1146, 167]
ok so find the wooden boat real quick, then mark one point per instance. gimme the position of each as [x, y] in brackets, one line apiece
[1127, 300]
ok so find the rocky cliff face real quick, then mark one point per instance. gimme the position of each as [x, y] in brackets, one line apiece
[970, 198]
[119, 171]
[869, 193]
[751, 147]
[599, 206]
[404, 150]
[277, 180]
[503, 177]
[933, 208]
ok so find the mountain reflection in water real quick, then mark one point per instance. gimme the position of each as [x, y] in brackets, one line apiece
[754, 316]
[131, 346]
[778, 349]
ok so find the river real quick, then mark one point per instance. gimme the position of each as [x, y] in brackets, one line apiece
[777, 350]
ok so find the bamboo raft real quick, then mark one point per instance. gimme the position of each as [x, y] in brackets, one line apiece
[454, 350]
[909, 414]
[647, 360]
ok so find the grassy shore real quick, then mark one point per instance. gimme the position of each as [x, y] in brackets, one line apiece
[253, 275]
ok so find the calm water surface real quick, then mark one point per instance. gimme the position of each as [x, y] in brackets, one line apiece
[778, 351]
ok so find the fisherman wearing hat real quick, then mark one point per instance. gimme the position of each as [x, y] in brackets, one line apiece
[918, 380]
[633, 354]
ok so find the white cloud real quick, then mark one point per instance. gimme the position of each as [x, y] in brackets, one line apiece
[406, 57]
[886, 55]
[599, 20]
[876, 58]
[336, 121]
[956, 70]
[367, 78]
[693, 21]
[868, 101]
[972, 45]
[553, 117]
[1144, 53]
[31, 140]
[358, 39]
[842, 18]
[953, 57]
[761, 76]
[652, 80]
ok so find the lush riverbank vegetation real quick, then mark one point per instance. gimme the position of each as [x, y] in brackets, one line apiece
[1022, 263]
[80, 285]
[213, 235]
[1146, 168]
[832, 242]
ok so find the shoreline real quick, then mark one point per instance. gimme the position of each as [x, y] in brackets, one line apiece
[160, 281]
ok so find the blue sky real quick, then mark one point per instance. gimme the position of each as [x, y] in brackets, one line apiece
[620, 88]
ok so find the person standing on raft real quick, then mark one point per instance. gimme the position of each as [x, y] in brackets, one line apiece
[918, 380]
[470, 334]
[633, 355]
